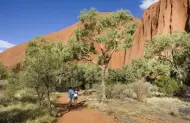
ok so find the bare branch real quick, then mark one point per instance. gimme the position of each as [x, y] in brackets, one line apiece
[88, 59]
[102, 48]
[112, 52]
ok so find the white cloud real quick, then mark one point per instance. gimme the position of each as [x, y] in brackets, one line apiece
[147, 3]
[6, 44]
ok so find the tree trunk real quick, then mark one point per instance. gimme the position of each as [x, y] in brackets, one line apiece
[103, 85]
[124, 60]
[39, 98]
[83, 86]
[49, 102]
[177, 68]
[90, 85]
[180, 76]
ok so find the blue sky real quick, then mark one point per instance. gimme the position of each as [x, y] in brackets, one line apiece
[22, 20]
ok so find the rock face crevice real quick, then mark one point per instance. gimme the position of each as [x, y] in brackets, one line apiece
[164, 16]
[171, 17]
[188, 18]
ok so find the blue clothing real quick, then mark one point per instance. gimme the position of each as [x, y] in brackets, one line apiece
[75, 93]
[70, 93]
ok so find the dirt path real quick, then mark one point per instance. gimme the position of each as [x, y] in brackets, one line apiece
[80, 114]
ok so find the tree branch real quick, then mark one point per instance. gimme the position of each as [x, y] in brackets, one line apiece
[88, 59]
[102, 48]
[164, 57]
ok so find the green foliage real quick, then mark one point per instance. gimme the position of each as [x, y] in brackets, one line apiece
[172, 50]
[143, 67]
[108, 30]
[42, 60]
[23, 112]
[109, 39]
[3, 71]
[115, 18]
[71, 75]
[164, 45]
[168, 85]
[92, 74]
[130, 28]
[117, 75]
[75, 49]
[14, 84]
[80, 33]
[88, 16]
[124, 75]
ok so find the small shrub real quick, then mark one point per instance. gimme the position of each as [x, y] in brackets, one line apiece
[110, 111]
[25, 93]
[129, 92]
[3, 71]
[118, 91]
[98, 106]
[168, 85]
[141, 89]
[4, 98]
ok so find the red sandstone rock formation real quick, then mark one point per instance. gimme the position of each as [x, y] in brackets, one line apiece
[162, 17]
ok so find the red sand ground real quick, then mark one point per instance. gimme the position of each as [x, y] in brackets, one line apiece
[82, 115]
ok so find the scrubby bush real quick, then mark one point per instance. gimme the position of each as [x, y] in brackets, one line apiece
[168, 85]
[3, 71]
[116, 91]
[141, 89]
[138, 90]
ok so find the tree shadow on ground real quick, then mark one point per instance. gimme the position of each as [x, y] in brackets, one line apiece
[17, 115]
[64, 108]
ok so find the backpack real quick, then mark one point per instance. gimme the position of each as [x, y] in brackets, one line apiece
[76, 94]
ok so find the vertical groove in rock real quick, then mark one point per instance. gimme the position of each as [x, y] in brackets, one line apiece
[163, 21]
[187, 27]
[171, 15]
[166, 4]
